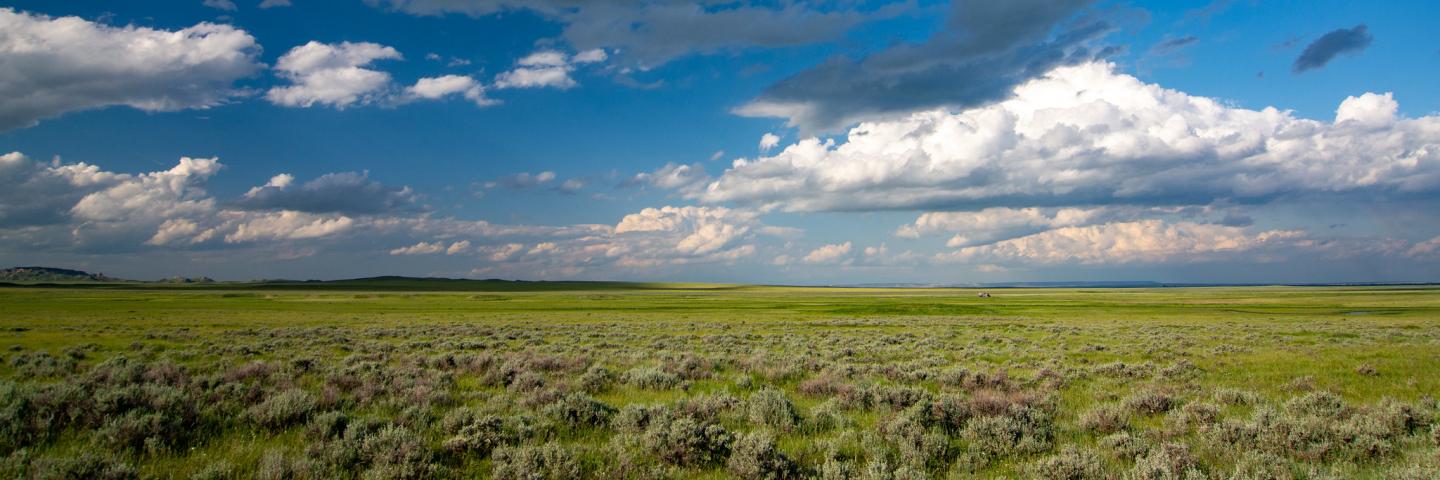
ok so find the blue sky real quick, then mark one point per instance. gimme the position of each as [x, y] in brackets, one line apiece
[767, 142]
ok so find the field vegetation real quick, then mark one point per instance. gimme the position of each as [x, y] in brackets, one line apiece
[699, 381]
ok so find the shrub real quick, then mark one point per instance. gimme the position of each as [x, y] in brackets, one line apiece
[636, 418]
[683, 441]
[139, 417]
[826, 416]
[1319, 404]
[458, 418]
[626, 457]
[898, 397]
[1179, 370]
[481, 435]
[30, 365]
[917, 446]
[1108, 418]
[273, 466]
[1149, 401]
[881, 470]
[326, 425]
[550, 461]
[707, 408]
[526, 382]
[651, 378]
[579, 410]
[1193, 414]
[1022, 430]
[1231, 396]
[1169, 461]
[283, 409]
[21, 421]
[596, 379]
[397, 452]
[1070, 464]
[834, 469]
[86, 465]
[1125, 446]
[823, 385]
[1262, 466]
[755, 457]
[769, 407]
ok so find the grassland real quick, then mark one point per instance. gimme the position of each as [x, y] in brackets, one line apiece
[695, 381]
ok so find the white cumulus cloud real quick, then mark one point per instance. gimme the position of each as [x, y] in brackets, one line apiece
[1087, 135]
[53, 65]
[547, 69]
[1145, 241]
[433, 88]
[769, 141]
[828, 253]
[334, 75]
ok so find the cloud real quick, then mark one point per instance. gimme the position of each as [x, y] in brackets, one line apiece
[90, 211]
[522, 180]
[1084, 134]
[697, 230]
[180, 231]
[650, 33]
[672, 176]
[768, 141]
[1169, 51]
[828, 253]
[1172, 45]
[37, 194]
[986, 49]
[84, 207]
[1330, 45]
[506, 252]
[221, 4]
[427, 248]
[422, 248]
[1426, 249]
[331, 75]
[287, 225]
[1001, 222]
[433, 88]
[55, 65]
[651, 239]
[546, 69]
[274, 3]
[1369, 111]
[345, 192]
[593, 55]
[1145, 241]
[570, 186]
[149, 197]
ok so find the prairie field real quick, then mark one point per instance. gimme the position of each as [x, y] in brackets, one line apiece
[712, 381]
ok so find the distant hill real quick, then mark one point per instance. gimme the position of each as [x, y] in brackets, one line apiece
[48, 274]
[422, 284]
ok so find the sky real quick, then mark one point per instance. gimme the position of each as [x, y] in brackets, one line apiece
[832, 142]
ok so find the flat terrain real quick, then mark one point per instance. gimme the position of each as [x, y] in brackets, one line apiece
[657, 381]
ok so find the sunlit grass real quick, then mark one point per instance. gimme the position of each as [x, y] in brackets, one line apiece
[408, 358]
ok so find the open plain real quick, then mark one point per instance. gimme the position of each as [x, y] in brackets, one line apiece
[397, 380]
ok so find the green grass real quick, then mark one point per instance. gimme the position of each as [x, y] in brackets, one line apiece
[1363, 345]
